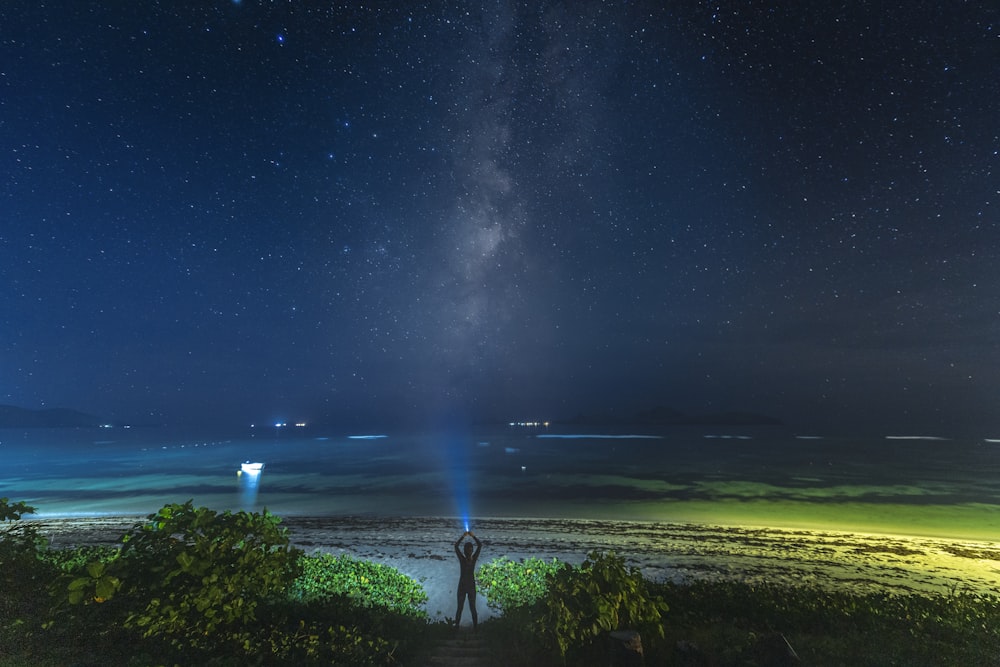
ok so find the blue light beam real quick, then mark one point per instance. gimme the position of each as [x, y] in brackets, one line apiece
[458, 475]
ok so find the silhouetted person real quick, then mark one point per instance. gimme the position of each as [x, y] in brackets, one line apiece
[467, 579]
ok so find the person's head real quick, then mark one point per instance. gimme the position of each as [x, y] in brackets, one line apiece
[468, 548]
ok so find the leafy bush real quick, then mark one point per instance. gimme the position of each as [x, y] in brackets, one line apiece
[76, 559]
[315, 639]
[19, 541]
[511, 584]
[192, 575]
[365, 583]
[599, 596]
[22, 574]
[194, 586]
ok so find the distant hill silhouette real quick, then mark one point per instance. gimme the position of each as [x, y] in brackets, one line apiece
[665, 416]
[14, 417]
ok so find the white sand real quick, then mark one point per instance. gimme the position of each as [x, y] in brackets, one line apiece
[422, 549]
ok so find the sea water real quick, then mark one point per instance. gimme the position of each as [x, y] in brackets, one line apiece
[767, 476]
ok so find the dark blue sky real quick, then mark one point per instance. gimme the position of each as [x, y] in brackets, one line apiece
[252, 210]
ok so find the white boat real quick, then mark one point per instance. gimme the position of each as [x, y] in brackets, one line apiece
[251, 467]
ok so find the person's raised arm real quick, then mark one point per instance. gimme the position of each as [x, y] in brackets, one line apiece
[479, 545]
[458, 542]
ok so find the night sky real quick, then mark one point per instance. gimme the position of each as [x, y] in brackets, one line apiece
[395, 212]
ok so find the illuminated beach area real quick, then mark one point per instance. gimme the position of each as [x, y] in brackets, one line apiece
[679, 504]
[421, 548]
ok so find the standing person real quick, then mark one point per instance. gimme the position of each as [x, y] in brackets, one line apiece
[467, 578]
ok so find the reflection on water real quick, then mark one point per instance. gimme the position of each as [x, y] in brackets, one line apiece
[249, 479]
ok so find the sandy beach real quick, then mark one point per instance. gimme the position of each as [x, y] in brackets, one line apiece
[422, 549]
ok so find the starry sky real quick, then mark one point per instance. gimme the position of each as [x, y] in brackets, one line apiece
[343, 212]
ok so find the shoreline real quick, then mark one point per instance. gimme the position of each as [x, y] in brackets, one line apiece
[421, 547]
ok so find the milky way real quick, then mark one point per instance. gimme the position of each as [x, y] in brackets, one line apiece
[254, 210]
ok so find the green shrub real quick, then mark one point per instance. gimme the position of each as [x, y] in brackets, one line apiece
[599, 596]
[75, 559]
[365, 583]
[194, 586]
[510, 584]
[853, 627]
[19, 540]
[194, 576]
[352, 612]
[23, 577]
[203, 587]
[319, 644]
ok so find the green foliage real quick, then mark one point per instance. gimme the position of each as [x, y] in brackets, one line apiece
[857, 628]
[510, 584]
[193, 586]
[22, 574]
[72, 559]
[17, 538]
[193, 573]
[10, 512]
[224, 588]
[98, 585]
[365, 583]
[320, 644]
[599, 596]
[350, 612]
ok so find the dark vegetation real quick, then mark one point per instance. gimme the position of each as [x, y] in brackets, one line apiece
[194, 586]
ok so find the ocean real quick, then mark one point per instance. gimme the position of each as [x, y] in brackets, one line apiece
[760, 476]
